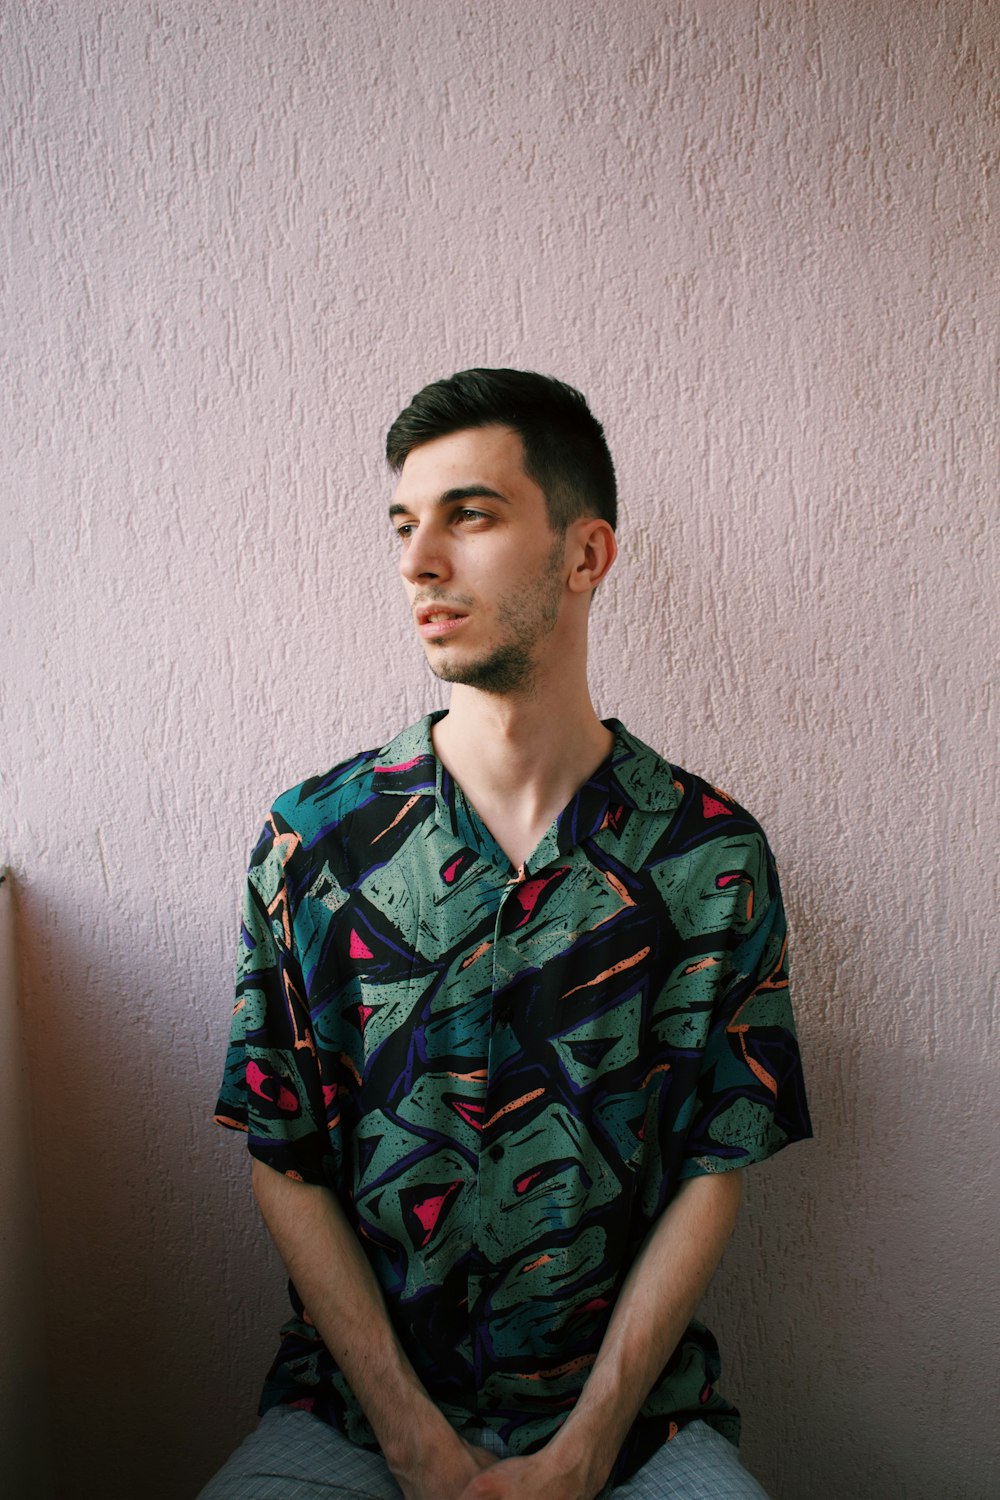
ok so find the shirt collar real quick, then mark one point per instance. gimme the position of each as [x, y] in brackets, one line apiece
[646, 779]
[407, 764]
[633, 776]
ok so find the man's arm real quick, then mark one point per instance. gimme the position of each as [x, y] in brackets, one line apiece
[337, 1285]
[656, 1303]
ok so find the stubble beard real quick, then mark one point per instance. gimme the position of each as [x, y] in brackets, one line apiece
[528, 617]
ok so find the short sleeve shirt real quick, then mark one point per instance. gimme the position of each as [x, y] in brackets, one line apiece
[504, 1075]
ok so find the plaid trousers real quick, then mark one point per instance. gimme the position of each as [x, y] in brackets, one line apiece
[292, 1455]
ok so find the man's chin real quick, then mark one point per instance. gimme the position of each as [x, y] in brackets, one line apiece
[507, 670]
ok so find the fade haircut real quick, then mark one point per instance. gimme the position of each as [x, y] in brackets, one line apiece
[565, 450]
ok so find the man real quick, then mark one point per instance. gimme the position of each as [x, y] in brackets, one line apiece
[512, 1002]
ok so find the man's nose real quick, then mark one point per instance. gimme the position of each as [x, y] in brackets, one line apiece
[424, 557]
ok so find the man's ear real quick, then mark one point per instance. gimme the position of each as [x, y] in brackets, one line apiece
[592, 551]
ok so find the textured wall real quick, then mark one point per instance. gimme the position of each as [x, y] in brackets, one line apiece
[763, 238]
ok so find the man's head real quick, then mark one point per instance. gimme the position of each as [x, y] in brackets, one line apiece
[565, 451]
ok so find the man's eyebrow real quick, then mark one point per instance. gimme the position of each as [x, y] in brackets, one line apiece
[453, 496]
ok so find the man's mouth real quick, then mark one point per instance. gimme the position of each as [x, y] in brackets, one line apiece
[437, 620]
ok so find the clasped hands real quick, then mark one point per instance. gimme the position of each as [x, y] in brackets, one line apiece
[464, 1471]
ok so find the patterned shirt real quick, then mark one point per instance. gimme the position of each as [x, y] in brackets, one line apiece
[505, 1075]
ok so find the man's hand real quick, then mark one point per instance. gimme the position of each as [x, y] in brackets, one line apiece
[532, 1478]
[444, 1470]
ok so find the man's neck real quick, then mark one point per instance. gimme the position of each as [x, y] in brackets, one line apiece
[520, 758]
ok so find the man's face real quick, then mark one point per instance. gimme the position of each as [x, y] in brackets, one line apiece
[483, 569]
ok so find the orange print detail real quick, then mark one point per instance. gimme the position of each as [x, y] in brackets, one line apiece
[755, 1067]
[622, 894]
[279, 907]
[703, 963]
[514, 1104]
[285, 843]
[567, 1369]
[618, 888]
[626, 963]
[349, 1065]
[762, 1074]
[776, 984]
[765, 984]
[672, 1431]
[474, 957]
[293, 1000]
[660, 1068]
[401, 814]
[233, 1124]
[722, 881]
[533, 1265]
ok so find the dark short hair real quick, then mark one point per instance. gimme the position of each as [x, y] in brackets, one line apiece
[565, 450]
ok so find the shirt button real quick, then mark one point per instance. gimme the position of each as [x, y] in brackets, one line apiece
[496, 1153]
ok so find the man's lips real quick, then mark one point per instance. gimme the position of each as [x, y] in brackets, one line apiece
[435, 621]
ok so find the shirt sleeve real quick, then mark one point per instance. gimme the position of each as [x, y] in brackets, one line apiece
[750, 1099]
[272, 1087]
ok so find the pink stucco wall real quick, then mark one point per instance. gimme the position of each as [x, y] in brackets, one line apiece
[763, 238]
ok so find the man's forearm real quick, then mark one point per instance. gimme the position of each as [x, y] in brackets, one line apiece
[342, 1298]
[656, 1303]
[344, 1301]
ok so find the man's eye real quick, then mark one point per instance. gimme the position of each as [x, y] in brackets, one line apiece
[471, 515]
[404, 531]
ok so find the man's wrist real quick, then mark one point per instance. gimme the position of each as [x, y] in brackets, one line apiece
[576, 1453]
[417, 1435]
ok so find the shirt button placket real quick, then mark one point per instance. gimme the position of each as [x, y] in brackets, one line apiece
[504, 965]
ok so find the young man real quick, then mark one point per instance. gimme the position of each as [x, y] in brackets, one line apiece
[512, 1004]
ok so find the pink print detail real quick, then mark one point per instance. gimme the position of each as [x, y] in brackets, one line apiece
[472, 1114]
[529, 891]
[523, 1183]
[358, 948]
[262, 1085]
[721, 881]
[286, 1101]
[365, 1011]
[452, 871]
[256, 1078]
[403, 765]
[713, 808]
[429, 1211]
